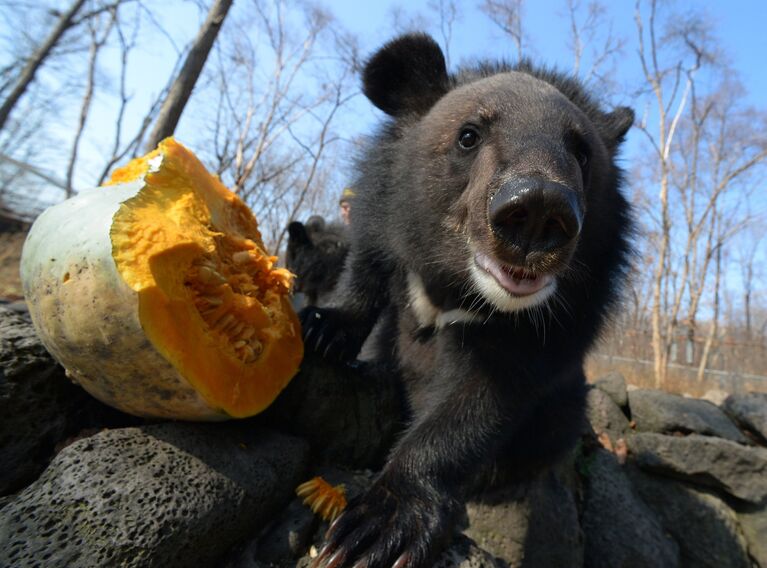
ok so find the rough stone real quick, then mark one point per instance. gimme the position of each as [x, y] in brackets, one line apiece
[222, 494]
[753, 522]
[297, 528]
[604, 415]
[464, 553]
[614, 384]
[166, 495]
[740, 471]
[282, 542]
[530, 525]
[40, 407]
[750, 411]
[715, 396]
[619, 529]
[704, 526]
[291, 535]
[658, 411]
[349, 413]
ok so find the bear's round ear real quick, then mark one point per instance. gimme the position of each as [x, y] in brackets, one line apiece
[407, 75]
[615, 125]
[315, 224]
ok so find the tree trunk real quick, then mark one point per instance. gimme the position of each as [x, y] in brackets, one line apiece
[93, 53]
[660, 345]
[715, 320]
[179, 94]
[36, 61]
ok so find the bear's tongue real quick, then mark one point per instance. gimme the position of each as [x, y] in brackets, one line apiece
[516, 281]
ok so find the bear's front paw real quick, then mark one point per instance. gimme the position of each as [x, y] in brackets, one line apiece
[331, 333]
[392, 525]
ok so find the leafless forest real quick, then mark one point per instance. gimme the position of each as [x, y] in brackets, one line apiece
[265, 92]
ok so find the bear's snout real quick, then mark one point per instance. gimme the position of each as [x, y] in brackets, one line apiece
[533, 214]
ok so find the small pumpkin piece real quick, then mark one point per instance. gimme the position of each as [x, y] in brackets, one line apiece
[158, 296]
[325, 500]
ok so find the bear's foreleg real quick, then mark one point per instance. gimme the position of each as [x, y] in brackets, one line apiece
[407, 517]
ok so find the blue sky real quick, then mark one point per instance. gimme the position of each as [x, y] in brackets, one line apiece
[738, 24]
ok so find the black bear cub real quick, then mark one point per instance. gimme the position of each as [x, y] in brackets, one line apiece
[490, 228]
[316, 254]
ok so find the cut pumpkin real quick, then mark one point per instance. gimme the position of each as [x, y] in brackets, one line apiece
[158, 297]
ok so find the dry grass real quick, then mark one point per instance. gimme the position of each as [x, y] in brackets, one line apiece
[10, 255]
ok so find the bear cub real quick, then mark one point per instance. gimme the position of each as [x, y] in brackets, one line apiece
[491, 231]
[315, 254]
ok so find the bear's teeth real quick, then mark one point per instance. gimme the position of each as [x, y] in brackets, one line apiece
[519, 274]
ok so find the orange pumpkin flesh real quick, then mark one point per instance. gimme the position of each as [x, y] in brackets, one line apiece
[209, 297]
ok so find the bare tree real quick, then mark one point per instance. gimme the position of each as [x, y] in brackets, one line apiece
[407, 21]
[120, 148]
[98, 39]
[279, 92]
[714, 326]
[592, 40]
[704, 152]
[670, 86]
[719, 153]
[508, 16]
[37, 59]
[747, 260]
[179, 94]
[447, 11]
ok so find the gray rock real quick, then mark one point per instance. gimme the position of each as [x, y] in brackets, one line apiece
[614, 384]
[500, 523]
[753, 522]
[605, 416]
[461, 553]
[464, 553]
[619, 529]
[715, 396]
[750, 411]
[529, 525]
[290, 537]
[283, 541]
[704, 526]
[166, 495]
[16, 306]
[298, 528]
[662, 412]
[39, 405]
[349, 414]
[740, 471]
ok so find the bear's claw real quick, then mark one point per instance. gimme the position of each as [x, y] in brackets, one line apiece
[384, 528]
[331, 333]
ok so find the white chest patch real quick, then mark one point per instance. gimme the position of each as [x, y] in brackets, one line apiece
[426, 313]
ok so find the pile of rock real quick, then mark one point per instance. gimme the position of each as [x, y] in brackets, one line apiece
[658, 479]
[670, 481]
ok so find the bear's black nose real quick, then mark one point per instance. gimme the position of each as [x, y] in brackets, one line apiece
[535, 215]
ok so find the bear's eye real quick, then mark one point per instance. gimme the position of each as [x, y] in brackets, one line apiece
[468, 138]
[581, 152]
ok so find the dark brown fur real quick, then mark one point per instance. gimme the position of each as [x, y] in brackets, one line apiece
[494, 383]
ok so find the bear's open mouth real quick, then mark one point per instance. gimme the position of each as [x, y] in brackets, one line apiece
[515, 280]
